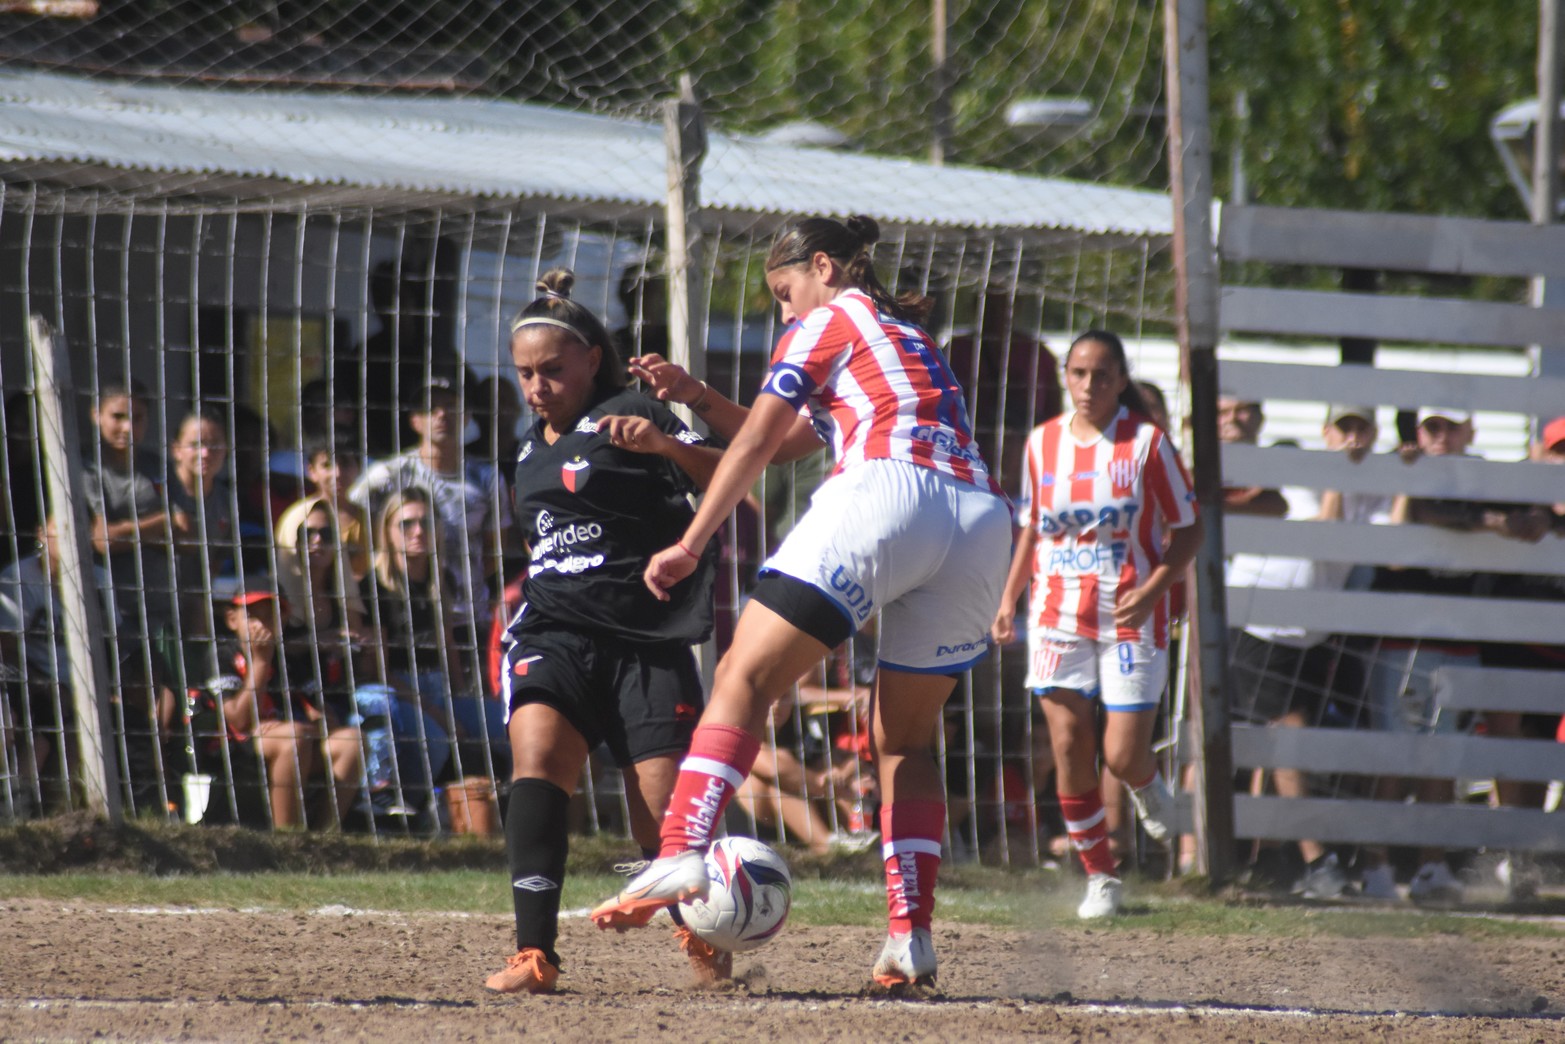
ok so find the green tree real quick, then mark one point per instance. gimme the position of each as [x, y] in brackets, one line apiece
[1370, 104]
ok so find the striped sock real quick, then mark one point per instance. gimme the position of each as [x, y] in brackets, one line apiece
[911, 848]
[719, 760]
[1089, 833]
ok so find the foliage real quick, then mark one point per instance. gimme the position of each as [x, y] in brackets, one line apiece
[1370, 104]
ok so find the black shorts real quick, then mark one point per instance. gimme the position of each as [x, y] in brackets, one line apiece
[1270, 679]
[640, 701]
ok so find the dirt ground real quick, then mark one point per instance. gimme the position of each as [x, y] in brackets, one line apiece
[74, 971]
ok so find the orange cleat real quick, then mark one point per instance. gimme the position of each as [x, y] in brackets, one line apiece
[710, 964]
[529, 971]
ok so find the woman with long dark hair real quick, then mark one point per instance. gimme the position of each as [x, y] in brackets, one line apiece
[909, 524]
[602, 482]
[1102, 487]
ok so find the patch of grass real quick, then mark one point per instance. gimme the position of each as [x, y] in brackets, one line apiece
[858, 901]
[79, 858]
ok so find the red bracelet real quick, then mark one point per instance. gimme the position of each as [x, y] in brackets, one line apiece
[681, 545]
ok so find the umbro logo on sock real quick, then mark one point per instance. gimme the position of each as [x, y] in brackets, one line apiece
[535, 883]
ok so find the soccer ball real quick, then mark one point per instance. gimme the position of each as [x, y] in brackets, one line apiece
[748, 901]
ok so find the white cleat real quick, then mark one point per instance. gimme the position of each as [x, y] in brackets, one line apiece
[906, 960]
[664, 882]
[1103, 898]
[1154, 806]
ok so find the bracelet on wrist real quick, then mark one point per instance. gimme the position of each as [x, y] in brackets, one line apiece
[705, 387]
[681, 545]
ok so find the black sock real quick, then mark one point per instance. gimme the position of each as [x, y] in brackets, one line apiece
[536, 842]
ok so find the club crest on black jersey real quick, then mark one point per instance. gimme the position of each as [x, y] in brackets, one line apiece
[573, 473]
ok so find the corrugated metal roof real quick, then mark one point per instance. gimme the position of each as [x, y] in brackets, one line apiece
[465, 147]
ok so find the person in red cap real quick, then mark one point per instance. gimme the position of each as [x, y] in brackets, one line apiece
[259, 709]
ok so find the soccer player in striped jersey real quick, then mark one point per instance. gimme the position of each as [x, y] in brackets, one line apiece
[909, 523]
[1103, 492]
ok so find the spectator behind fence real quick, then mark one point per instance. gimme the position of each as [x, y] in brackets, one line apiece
[273, 727]
[133, 530]
[1103, 490]
[408, 727]
[1286, 675]
[469, 513]
[1240, 422]
[496, 407]
[326, 412]
[331, 465]
[199, 491]
[1400, 690]
[1517, 870]
[132, 526]
[35, 668]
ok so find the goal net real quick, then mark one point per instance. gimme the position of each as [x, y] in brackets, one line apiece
[280, 226]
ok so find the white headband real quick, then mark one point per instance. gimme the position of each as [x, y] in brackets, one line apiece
[543, 320]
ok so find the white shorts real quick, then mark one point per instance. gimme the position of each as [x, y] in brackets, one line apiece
[927, 551]
[1127, 676]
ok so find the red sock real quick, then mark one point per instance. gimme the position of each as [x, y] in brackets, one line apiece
[1089, 834]
[1144, 784]
[720, 758]
[910, 833]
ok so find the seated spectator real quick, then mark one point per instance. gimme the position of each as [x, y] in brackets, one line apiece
[325, 608]
[252, 723]
[1285, 676]
[469, 513]
[331, 465]
[206, 545]
[35, 668]
[409, 725]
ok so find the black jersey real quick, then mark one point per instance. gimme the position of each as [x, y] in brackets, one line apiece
[593, 514]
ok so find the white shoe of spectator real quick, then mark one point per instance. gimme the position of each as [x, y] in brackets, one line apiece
[1520, 876]
[848, 843]
[1434, 883]
[1323, 879]
[1379, 882]
[1154, 805]
[1103, 898]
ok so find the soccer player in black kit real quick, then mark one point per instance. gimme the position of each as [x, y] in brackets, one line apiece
[593, 657]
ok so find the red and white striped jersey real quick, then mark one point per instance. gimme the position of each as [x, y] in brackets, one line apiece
[1100, 509]
[876, 388]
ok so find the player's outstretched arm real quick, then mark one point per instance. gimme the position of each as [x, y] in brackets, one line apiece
[670, 382]
[770, 424]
